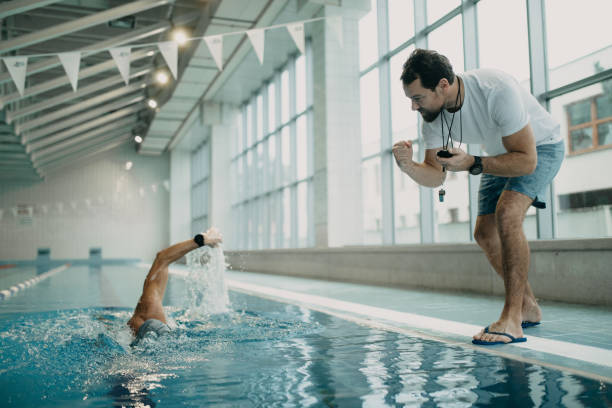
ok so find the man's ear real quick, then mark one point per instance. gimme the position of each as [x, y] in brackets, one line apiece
[443, 84]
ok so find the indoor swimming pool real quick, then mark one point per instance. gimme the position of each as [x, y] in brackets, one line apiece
[64, 343]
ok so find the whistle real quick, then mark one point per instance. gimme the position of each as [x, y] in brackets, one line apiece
[441, 194]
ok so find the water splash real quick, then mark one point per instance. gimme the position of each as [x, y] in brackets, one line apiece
[206, 283]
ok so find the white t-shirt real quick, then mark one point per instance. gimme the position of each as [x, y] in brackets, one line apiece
[495, 106]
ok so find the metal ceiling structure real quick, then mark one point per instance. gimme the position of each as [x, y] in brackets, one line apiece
[52, 126]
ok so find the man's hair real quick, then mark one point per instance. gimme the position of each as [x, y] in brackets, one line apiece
[429, 66]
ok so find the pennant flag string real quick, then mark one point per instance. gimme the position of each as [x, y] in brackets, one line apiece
[17, 65]
[156, 43]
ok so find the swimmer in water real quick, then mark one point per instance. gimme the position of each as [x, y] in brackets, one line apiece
[149, 313]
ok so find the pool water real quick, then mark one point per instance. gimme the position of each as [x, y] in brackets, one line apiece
[64, 343]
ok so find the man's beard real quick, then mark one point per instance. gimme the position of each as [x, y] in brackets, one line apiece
[429, 116]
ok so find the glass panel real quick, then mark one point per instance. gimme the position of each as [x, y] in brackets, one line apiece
[583, 209]
[285, 97]
[401, 22]
[237, 144]
[579, 112]
[260, 169]
[407, 208]
[368, 37]
[404, 121]
[300, 85]
[249, 126]
[577, 45]
[250, 190]
[286, 159]
[604, 133]
[452, 217]
[302, 148]
[370, 113]
[582, 138]
[438, 8]
[272, 165]
[509, 52]
[302, 213]
[271, 107]
[604, 104]
[287, 217]
[448, 41]
[274, 210]
[259, 117]
[372, 202]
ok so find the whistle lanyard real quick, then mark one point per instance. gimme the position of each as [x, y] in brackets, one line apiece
[449, 139]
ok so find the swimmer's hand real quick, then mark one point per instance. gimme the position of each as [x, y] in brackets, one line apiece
[212, 237]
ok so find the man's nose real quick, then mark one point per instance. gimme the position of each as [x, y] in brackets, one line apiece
[414, 105]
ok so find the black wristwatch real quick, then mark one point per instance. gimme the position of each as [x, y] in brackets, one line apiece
[476, 168]
[199, 239]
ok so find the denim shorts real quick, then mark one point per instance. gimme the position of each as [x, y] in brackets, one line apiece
[550, 157]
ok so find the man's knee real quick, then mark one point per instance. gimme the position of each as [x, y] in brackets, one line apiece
[484, 231]
[509, 218]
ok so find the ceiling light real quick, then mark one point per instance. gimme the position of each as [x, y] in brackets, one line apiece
[138, 139]
[152, 103]
[179, 36]
[161, 78]
[128, 165]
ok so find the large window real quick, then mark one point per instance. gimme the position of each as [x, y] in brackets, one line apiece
[272, 162]
[393, 203]
[578, 39]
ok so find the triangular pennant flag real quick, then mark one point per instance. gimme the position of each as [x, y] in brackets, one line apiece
[335, 23]
[257, 39]
[71, 62]
[121, 56]
[17, 68]
[169, 50]
[215, 45]
[297, 33]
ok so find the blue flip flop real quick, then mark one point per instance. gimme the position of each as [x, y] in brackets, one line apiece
[492, 343]
[526, 323]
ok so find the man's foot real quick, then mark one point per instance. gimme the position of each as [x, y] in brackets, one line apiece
[531, 313]
[500, 332]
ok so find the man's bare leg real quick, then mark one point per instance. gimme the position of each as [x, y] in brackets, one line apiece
[487, 237]
[509, 216]
[150, 304]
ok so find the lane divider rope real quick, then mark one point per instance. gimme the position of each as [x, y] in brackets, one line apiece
[13, 290]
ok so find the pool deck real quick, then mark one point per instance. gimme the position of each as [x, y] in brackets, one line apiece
[572, 338]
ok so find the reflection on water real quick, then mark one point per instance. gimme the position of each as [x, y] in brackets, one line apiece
[260, 353]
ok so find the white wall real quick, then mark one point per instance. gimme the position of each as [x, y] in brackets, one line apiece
[93, 204]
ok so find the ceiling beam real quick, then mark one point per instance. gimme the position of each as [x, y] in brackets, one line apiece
[80, 24]
[89, 103]
[74, 120]
[17, 7]
[130, 37]
[40, 143]
[81, 156]
[61, 147]
[64, 80]
[68, 96]
[63, 155]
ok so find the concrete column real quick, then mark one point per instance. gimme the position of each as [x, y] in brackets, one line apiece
[223, 129]
[180, 194]
[338, 214]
